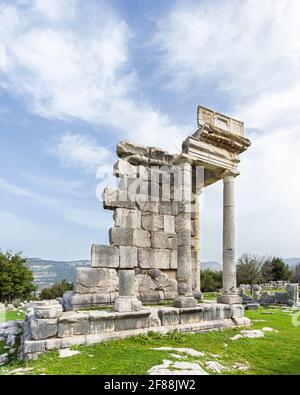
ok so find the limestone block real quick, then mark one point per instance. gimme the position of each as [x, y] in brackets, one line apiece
[93, 338]
[101, 321]
[128, 257]
[143, 172]
[166, 207]
[95, 280]
[161, 155]
[50, 311]
[143, 205]
[169, 316]
[169, 224]
[185, 301]
[124, 168]
[164, 240]
[144, 258]
[80, 300]
[154, 258]
[170, 295]
[73, 323]
[209, 312]
[32, 346]
[141, 238]
[127, 303]
[154, 318]
[162, 281]
[127, 286]
[160, 258]
[191, 315]
[43, 328]
[53, 344]
[152, 222]
[237, 311]
[149, 296]
[114, 198]
[144, 283]
[132, 320]
[182, 222]
[125, 218]
[183, 238]
[70, 341]
[120, 236]
[126, 148]
[100, 298]
[154, 191]
[104, 256]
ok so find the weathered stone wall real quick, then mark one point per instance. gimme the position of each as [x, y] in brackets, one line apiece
[143, 237]
[48, 328]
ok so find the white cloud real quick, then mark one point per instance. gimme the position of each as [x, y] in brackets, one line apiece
[70, 210]
[244, 46]
[13, 189]
[56, 9]
[79, 68]
[81, 151]
[248, 53]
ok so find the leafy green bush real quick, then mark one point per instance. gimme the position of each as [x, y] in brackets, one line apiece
[16, 280]
[57, 290]
[210, 281]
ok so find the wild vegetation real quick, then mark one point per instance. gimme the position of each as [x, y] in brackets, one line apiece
[16, 280]
[275, 353]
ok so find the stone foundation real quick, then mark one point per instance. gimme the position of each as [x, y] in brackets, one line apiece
[87, 327]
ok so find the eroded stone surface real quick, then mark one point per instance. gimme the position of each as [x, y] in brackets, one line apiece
[66, 352]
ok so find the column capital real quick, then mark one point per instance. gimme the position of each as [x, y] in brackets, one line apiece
[229, 175]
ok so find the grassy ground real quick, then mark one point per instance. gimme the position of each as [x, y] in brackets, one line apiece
[276, 353]
[210, 295]
[11, 316]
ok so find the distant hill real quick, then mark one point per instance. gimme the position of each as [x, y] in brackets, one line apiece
[214, 266]
[292, 262]
[47, 272]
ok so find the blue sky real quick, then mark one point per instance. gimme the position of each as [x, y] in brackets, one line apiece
[78, 76]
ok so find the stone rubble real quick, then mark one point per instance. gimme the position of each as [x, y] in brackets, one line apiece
[177, 368]
[215, 366]
[66, 352]
[188, 351]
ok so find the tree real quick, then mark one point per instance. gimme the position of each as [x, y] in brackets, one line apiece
[210, 281]
[57, 290]
[275, 269]
[16, 280]
[249, 269]
[295, 278]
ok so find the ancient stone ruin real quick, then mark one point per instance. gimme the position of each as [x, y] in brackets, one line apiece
[154, 250]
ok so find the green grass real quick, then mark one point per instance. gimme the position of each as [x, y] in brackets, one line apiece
[11, 316]
[210, 295]
[276, 353]
[2, 349]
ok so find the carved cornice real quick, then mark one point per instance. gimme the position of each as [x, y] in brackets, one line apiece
[221, 138]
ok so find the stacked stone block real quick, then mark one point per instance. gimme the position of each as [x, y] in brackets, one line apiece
[144, 235]
[48, 328]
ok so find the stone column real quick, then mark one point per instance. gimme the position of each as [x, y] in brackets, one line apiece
[229, 294]
[183, 229]
[197, 241]
[127, 300]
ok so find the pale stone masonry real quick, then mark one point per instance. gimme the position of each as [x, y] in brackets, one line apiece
[153, 253]
[47, 328]
[156, 212]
